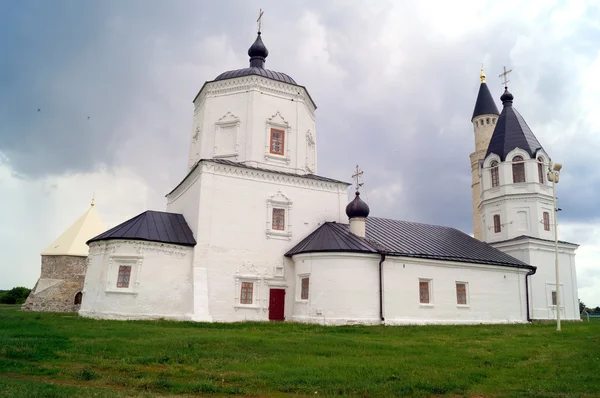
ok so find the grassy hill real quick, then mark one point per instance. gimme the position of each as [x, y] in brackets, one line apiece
[56, 355]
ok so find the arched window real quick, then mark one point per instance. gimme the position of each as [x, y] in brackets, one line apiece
[518, 169]
[541, 170]
[78, 297]
[497, 226]
[487, 120]
[495, 175]
[546, 221]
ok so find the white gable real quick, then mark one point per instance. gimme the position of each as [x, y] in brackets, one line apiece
[72, 241]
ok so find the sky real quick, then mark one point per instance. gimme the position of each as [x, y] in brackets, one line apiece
[96, 99]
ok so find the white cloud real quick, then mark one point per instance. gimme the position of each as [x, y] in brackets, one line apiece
[35, 212]
[395, 84]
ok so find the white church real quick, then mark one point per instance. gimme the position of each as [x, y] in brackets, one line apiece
[253, 232]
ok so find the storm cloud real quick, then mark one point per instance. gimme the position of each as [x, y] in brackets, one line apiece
[395, 85]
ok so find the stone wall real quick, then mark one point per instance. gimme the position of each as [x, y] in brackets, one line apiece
[60, 280]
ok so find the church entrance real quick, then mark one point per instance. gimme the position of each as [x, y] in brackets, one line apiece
[276, 304]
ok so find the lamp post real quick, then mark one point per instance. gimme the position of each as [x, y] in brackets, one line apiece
[553, 176]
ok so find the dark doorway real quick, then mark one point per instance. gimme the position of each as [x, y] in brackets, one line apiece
[78, 297]
[276, 304]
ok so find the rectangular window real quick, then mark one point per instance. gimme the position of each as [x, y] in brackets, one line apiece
[546, 221]
[541, 171]
[124, 274]
[279, 219]
[247, 290]
[518, 169]
[424, 292]
[304, 289]
[495, 175]
[277, 141]
[554, 297]
[497, 226]
[461, 293]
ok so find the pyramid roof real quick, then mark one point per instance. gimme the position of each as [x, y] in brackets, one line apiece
[72, 241]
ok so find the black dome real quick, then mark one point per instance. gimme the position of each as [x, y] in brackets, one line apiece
[258, 49]
[357, 208]
[258, 53]
[506, 97]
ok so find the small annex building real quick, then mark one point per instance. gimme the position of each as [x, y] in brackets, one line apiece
[63, 267]
[252, 232]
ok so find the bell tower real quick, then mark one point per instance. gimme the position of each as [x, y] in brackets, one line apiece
[484, 120]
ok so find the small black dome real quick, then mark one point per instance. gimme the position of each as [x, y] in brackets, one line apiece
[258, 49]
[357, 208]
[506, 98]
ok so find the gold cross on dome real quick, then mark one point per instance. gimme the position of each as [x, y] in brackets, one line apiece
[356, 176]
[259, 20]
[504, 75]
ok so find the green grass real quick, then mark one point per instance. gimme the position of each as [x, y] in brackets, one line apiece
[63, 355]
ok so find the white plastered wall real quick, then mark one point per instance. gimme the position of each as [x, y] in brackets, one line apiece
[235, 243]
[519, 205]
[344, 289]
[542, 255]
[160, 283]
[248, 107]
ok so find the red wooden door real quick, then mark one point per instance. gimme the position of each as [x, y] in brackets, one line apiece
[276, 304]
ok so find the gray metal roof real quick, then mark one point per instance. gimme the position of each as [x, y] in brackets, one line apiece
[405, 239]
[242, 165]
[333, 237]
[485, 104]
[279, 76]
[155, 226]
[511, 132]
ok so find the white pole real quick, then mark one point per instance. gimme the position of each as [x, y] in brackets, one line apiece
[554, 175]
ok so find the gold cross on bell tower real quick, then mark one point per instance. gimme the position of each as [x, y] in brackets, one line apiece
[504, 76]
[259, 20]
[356, 176]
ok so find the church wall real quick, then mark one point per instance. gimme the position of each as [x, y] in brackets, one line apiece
[185, 200]
[520, 206]
[271, 110]
[343, 288]
[227, 113]
[236, 243]
[247, 108]
[494, 294]
[160, 284]
[543, 282]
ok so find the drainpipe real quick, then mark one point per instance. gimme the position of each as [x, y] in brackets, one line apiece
[381, 287]
[531, 272]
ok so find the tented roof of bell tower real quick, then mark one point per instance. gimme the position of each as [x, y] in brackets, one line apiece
[72, 242]
[511, 132]
[485, 104]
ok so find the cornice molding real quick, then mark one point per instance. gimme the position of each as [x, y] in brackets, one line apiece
[206, 166]
[528, 198]
[255, 82]
[140, 247]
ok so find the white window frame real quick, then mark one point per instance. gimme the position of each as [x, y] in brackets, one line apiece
[299, 288]
[256, 285]
[280, 201]
[430, 286]
[229, 120]
[311, 167]
[114, 262]
[277, 122]
[467, 298]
